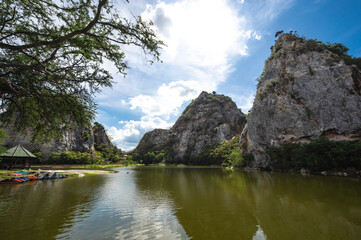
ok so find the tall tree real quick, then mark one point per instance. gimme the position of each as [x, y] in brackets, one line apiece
[52, 59]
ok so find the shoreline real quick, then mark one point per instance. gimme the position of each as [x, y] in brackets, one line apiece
[5, 174]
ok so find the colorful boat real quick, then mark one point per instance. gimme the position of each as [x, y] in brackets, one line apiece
[13, 180]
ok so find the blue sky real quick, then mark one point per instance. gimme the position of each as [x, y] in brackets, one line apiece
[212, 45]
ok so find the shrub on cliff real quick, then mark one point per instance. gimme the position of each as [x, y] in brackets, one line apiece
[227, 153]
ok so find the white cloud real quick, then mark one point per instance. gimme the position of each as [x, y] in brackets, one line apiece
[201, 37]
[199, 32]
[262, 12]
[244, 102]
[128, 136]
[167, 100]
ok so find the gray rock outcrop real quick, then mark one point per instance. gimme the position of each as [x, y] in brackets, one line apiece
[305, 92]
[75, 139]
[207, 121]
[154, 140]
[101, 138]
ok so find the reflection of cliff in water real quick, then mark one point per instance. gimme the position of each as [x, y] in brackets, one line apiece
[216, 204]
[44, 209]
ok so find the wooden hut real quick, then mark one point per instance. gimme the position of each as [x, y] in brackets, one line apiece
[17, 157]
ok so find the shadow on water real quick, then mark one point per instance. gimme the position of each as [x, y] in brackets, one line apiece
[44, 209]
[217, 204]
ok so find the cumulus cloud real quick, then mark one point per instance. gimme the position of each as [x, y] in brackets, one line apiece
[168, 99]
[199, 32]
[130, 132]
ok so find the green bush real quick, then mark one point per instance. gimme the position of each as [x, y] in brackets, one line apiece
[75, 158]
[235, 158]
[110, 155]
[227, 153]
[148, 158]
[337, 48]
[319, 154]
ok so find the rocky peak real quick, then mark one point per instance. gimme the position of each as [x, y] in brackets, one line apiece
[206, 121]
[307, 90]
[154, 140]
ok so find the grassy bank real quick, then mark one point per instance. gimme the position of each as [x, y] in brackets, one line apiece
[71, 172]
[80, 166]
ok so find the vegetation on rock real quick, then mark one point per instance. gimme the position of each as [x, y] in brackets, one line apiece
[226, 153]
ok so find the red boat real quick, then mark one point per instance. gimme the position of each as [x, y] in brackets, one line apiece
[13, 180]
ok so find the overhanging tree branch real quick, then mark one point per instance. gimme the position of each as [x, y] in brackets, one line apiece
[60, 39]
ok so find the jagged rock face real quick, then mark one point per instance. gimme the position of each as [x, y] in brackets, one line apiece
[305, 92]
[101, 137]
[75, 139]
[153, 141]
[207, 121]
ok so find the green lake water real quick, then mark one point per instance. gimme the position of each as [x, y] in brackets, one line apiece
[183, 203]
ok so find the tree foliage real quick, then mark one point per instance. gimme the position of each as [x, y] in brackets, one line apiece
[52, 57]
[319, 154]
[2, 135]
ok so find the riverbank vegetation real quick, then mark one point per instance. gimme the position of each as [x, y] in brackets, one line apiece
[101, 155]
[226, 153]
[318, 155]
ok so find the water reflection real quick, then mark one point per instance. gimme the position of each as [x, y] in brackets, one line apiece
[214, 204]
[259, 235]
[44, 209]
[183, 203]
[123, 211]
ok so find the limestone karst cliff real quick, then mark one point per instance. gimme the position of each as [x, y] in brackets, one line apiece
[306, 91]
[206, 121]
[101, 138]
[76, 139]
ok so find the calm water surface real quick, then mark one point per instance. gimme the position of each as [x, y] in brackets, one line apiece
[183, 203]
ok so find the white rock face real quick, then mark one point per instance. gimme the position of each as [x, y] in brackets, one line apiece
[305, 92]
